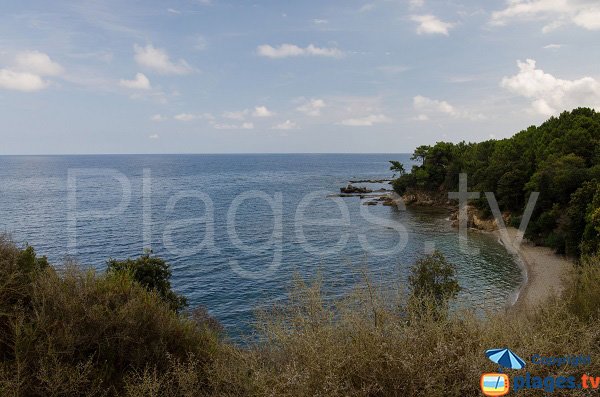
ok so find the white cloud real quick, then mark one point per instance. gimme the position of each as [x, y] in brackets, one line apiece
[243, 126]
[27, 72]
[36, 62]
[21, 81]
[312, 107]
[157, 59]
[237, 115]
[555, 13]
[173, 11]
[158, 118]
[191, 116]
[427, 106]
[416, 3]
[292, 50]
[429, 24]
[320, 21]
[286, 125]
[262, 111]
[553, 46]
[366, 121]
[140, 82]
[185, 117]
[153, 136]
[550, 95]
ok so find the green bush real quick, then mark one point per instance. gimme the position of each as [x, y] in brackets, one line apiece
[79, 333]
[153, 274]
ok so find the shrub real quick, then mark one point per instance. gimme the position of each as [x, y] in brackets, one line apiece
[79, 333]
[153, 274]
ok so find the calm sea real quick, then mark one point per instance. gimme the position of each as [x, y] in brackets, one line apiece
[236, 228]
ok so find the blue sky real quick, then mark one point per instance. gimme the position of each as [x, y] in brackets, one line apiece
[223, 76]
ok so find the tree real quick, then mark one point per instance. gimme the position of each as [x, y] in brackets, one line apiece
[153, 274]
[433, 277]
[397, 167]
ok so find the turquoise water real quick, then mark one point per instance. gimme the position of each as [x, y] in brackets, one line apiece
[232, 276]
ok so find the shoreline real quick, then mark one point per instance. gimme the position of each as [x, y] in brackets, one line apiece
[544, 272]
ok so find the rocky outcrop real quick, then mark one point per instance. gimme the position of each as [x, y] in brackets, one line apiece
[426, 198]
[371, 181]
[475, 220]
[351, 189]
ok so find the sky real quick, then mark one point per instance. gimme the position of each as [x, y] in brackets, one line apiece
[226, 76]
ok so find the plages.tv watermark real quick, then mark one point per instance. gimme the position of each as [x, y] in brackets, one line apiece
[205, 218]
[500, 383]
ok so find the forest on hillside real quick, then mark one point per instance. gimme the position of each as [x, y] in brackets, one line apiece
[560, 159]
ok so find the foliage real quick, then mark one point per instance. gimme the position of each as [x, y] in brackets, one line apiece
[433, 276]
[153, 274]
[560, 159]
[77, 333]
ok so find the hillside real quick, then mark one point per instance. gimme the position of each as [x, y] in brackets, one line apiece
[560, 159]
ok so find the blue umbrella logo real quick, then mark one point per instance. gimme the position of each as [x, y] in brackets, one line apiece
[505, 358]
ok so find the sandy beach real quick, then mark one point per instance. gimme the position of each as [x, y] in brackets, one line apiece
[545, 272]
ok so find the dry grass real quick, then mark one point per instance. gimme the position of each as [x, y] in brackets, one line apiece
[81, 334]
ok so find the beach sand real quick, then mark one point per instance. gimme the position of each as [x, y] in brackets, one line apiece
[545, 272]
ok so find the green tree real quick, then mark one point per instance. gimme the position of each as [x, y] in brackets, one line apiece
[153, 274]
[397, 167]
[433, 277]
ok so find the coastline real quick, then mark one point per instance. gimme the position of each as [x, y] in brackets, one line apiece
[544, 272]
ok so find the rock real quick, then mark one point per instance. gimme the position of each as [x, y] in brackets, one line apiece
[370, 203]
[371, 181]
[351, 189]
[474, 220]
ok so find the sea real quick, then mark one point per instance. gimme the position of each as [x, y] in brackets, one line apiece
[237, 229]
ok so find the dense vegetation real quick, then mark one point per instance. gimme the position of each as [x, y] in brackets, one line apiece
[81, 333]
[560, 159]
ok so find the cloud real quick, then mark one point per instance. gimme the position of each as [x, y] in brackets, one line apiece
[429, 24]
[286, 125]
[367, 121]
[36, 62]
[553, 46]
[292, 50]
[317, 21]
[262, 111]
[550, 95]
[191, 117]
[312, 107]
[140, 82]
[27, 72]
[21, 81]
[158, 118]
[555, 13]
[154, 136]
[156, 59]
[427, 106]
[237, 115]
[416, 3]
[173, 11]
[243, 126]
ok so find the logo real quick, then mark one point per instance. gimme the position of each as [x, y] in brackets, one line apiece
[497, 384]
[494, 384]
